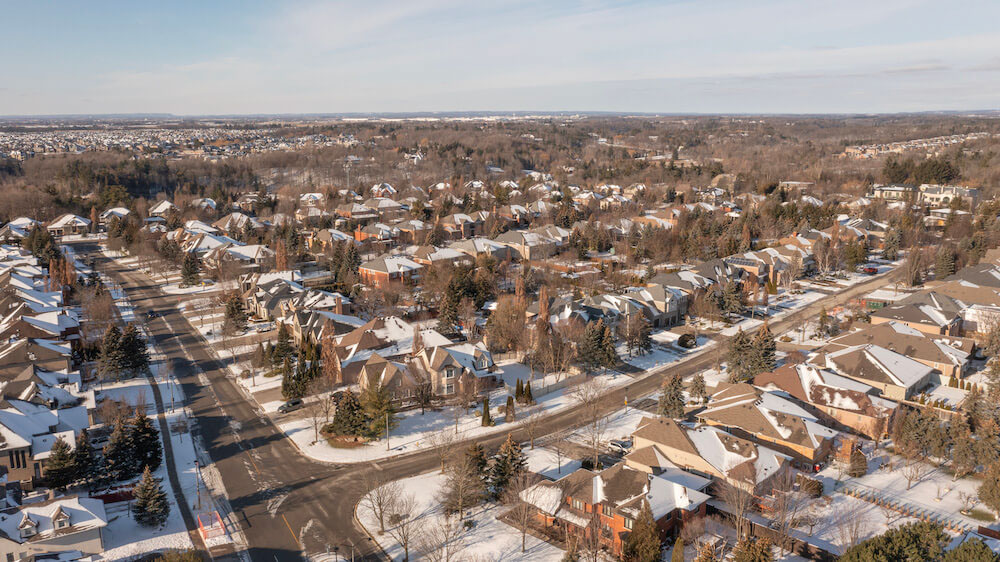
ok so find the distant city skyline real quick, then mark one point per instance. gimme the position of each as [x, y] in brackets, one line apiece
[255, 57]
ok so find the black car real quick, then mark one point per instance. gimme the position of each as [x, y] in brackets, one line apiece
[152, 314]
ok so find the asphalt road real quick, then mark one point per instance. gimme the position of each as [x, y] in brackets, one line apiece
[287, 504]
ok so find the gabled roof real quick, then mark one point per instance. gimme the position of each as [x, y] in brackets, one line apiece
[878, 364]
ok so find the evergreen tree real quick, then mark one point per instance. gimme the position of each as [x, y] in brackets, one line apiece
[135, 354]
[751, 549]
[509, 463]
[765, 349]
[293, 383]
[973, 550]
[448, 314]
[528, 397]
[283, 348]
[151, 507]
[697, 389]
[84, 461]
[146, 440]
[591, 352]
[487, 419]
[119, 453]
[859, 464]
[379, 409]
[519, 391]
[672, 398]
[643, 543]
[892, 245]
[677, 555]
[609, 355]
[59, 468]
[349, 419]
[235, 321]
[111, 361]
[740, 357]
[189, 270]
[476, 457]
[989, 490]
[944, 263]
[509, 410]
[913, 541]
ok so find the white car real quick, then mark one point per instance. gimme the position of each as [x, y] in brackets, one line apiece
[620, 446]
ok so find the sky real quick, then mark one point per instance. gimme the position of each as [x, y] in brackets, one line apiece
[222, 57]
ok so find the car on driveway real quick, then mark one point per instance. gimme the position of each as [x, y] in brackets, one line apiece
[290, 406]
[620, 446]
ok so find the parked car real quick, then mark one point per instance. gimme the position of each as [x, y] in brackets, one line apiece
[152, 314]
[870, 269]
[620, 446]
[290, 406]
[265, 327]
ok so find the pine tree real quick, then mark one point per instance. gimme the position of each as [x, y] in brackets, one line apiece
[672, 398]
[59, 468]
[590, 352]
[697, 388]
[133, 346]
[376, 401]
[235, 321]
[944, 264]
[509, 463]
[189, 270]
[146, 440]
[643, 543]
[119, 453]
[989, 490]
[151, 507]
[740, 357]
[291, 380]
[448, 315]
[509, 410]
[349, 418]
[892, 245]
[519, 391]
[283, 348]
[859, 464]
[973, 550]
[476, 456]
[528, 397]
[84, 462]
[111, 361]
[487, 420]
[765, 349]
[609, 355]
[751, 549]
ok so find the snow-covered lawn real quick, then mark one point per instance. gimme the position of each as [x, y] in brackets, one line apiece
[176, 289]
[665, 351]
[415, 430]
[487, 540]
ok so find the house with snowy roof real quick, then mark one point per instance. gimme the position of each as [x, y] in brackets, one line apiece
[841, 401]
[70, 525]
[528, 245]
[767, 418]
[387, 270]
[894, 375]
[613, 499]
[705, 451]
[979, 303]
[51, 355]
[949, 355]
[449, 367]
[113, 213]
[930, 312]
[162, 209]
[69, 224]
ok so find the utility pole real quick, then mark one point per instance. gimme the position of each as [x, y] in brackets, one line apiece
[387, 431]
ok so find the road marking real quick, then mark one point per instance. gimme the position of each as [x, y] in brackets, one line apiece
[285, 519]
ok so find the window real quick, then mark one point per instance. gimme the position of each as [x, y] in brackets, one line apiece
[629, 523]
[577, 504]
[606, 509]
[449, 373]
[62, 523]
[449, 388]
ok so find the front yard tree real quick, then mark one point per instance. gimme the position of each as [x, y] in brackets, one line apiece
[740, 357]
[119, 453]
[349, 418]
[913, 541]
[637, 335]
[505, 327]
[111, 361]
[463, 486]
[697, 388]
[989, 490]
[672, 398]
[59, 468]
[146, 440]
[235, 321]
[643, 543]
[487, 419]
[133, 348]
[509, 463]
[151, 507]
[377, 404]
[84, 461]
[189, 270]
[590, 351]
[283, 348]
[765, 349]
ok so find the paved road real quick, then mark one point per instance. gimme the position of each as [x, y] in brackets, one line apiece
[287, 504]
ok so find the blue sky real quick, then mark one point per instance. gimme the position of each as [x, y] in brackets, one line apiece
[238, 57]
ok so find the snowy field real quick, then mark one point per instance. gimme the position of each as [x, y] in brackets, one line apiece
[488, 540]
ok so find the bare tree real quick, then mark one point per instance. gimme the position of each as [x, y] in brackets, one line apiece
[423, 395]
[532, 424]
[588, 396]
[969, 501]
[739, 502]
[521, 494]
[792, 272]
[888, 512]
[380, 496]
[320, 406]
[913, 471]
[850, 525]
[442, 442]
[463, 486]
[559, 450]
[787, 504]
[405, 523]
[442, 541]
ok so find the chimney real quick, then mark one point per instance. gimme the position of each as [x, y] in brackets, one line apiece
[338, 306]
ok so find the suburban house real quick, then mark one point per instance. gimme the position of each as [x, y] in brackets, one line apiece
[894, 375]
[528, 245]
[48, 529]
[162, 209]
[387, 270]
[112, 213]
[69, 224]
[845, 401]
[706, 451]
[980, 304]
[448, 367]
[929, 312]
[949, 355]
[767, 418]
[608, 502]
